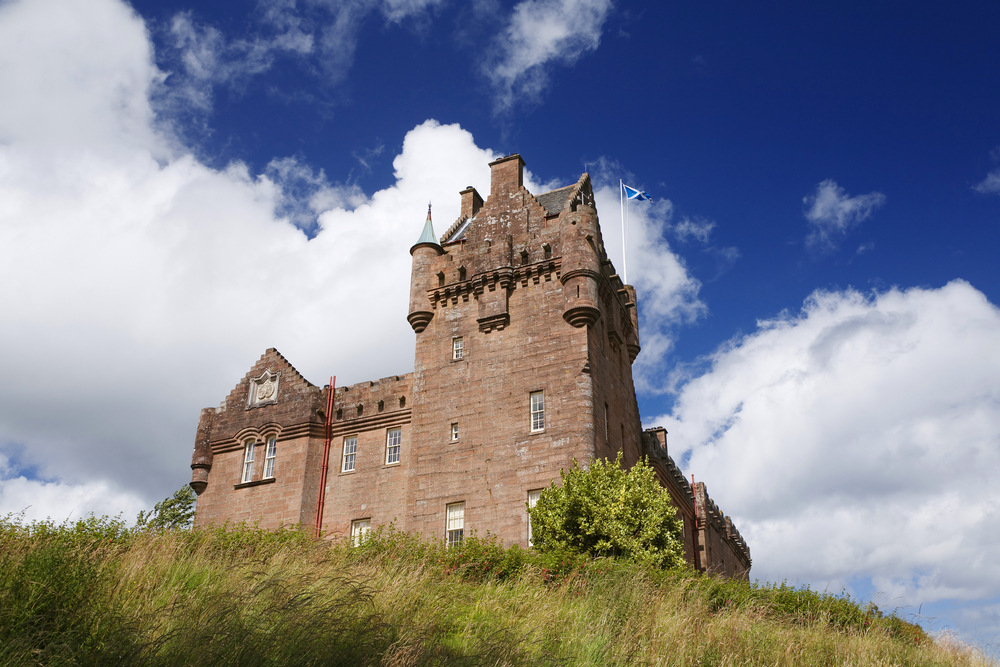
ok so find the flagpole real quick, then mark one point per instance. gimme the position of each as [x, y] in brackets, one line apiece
[621, 194]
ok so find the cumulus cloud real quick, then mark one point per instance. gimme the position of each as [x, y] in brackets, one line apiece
[142, 284]
[539, 35]
[858, 441]
[989, 185]
[832, 213]
[138, 279]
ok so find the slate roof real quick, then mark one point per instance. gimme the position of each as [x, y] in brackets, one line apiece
[554, 202]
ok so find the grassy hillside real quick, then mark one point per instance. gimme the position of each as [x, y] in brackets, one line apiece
[95, 593]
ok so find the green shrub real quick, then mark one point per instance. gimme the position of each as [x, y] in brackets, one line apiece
[606, 511]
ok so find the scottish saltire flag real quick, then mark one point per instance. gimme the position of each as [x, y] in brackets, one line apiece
[632, 193]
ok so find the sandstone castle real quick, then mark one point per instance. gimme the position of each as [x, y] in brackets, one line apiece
[525, 338]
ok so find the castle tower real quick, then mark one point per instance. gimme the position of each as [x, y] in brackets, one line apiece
[521, 362]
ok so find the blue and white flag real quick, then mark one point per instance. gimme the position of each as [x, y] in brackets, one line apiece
[632, 193]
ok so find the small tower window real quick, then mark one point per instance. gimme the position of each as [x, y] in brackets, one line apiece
[440, 278]
[457, 349]
[524, 257]
[381, 406]
[454, 431]
[402, 401]
[548, 250]
[537, 411]
[361, 410]
[461, 273]
[340, 414]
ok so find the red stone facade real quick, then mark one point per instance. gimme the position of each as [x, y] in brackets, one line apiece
[525, 338]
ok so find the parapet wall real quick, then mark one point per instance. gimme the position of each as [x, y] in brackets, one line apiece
[711, 541]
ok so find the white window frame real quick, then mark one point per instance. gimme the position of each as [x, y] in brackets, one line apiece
[349, 459]
[454, 431]
[393, 450]
[457, 348]
[537, 415]
[270, 454]
[360, 528]
[454, 523]
[533, 496]
[248, 454]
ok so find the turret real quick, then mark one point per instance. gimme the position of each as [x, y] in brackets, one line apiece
[424, 252]
[581, 266]
[201, 458]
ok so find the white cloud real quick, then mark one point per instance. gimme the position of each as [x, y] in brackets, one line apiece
[138, 279]
[859, 440]
[540, 34]
[696, 228]
[37, 500]
[989, 185]
[832, 213]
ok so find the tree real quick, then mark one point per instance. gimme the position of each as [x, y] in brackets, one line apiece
[174, 512]
[605, 510]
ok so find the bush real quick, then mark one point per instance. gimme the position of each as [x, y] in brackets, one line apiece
[606, 511]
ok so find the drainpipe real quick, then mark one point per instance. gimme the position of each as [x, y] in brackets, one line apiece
[321, 500]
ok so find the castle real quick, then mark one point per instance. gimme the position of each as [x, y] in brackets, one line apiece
[525, 338]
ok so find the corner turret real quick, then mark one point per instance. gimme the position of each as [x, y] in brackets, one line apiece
[424, 252]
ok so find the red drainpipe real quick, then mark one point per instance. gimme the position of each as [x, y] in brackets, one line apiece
[321, 500]
[694, 534]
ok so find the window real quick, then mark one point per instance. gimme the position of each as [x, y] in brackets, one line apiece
[457, 348]
[454, 431]
[359, 530]
[537, 411]
[393, 442]
[269, 456]
[248, 461]
[533, 497]
[350, 453]
[456, 523]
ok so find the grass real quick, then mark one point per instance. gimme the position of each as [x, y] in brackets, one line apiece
[96, 593]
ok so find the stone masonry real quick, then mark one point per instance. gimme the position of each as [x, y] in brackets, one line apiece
[525, 339]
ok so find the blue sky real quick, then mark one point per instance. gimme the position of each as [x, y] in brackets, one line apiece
[184, 185]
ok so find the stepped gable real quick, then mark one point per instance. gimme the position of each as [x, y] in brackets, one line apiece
[272, 391]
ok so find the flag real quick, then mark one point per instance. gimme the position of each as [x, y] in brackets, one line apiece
[632, 193]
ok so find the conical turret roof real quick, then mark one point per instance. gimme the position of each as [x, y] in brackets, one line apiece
[428, 234]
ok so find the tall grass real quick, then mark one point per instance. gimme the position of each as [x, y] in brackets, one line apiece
[96, 593]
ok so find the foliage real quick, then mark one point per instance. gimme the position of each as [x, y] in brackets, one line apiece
[176, 512]
[606, 511]
[95, 593]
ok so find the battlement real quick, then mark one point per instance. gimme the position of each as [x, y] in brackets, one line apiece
[371, 398]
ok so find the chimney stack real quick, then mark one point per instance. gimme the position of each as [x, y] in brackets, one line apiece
[506, 175]
[471, 202]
